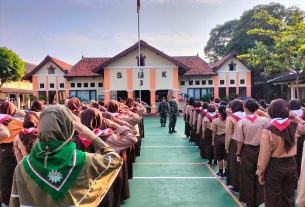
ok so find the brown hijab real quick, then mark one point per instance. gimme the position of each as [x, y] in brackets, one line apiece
[31, 120]
[74, 105]
[8, 108]
[279, 109]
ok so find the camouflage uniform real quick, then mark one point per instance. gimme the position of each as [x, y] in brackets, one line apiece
[172, 115]
[163, 110]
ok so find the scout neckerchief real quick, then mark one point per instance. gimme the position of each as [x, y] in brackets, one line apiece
[115, 115]
[238, 115]
[299, 113]
[32, 130]
[285, 129]
[251, 117]
[211, 115]
[98, 133]
[204, 112]
[280, 124]
[58, 174]
[4, 117]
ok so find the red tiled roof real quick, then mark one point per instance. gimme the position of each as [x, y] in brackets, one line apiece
[220, 62]
[65, 67]
[197, 65]
[84, 67]
[28, 67]
[182, 67]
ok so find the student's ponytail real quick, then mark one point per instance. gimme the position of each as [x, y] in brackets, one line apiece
[222, 111]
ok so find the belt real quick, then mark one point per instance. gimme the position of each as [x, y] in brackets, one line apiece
[251, 146]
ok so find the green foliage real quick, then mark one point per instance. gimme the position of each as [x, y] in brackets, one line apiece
[232, 35]
[11, 66]
[288, 52]
[219, 38]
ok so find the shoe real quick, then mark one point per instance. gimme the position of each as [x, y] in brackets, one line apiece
[174, 131]
[215, 162]
[225, 174]
[234, 190]
[170, 132]
[209, 163]
[220, 175]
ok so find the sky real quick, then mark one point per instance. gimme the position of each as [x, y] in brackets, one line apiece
[70, 29]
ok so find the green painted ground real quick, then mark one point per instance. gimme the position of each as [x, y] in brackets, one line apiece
[170, 172]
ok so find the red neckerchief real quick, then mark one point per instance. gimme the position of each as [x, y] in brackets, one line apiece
[4, 117]
[86, 142]
[97, 132]
[251, 118]
[280, 124]
[238, 115]
[133, 109]
[198, 109]
[115, 115]
[30, 130]
[204, 112]
[211, 116]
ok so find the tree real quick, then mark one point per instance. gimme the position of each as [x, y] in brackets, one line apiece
[232, 35]
[289, 43]
[11, 66]
[219, 38]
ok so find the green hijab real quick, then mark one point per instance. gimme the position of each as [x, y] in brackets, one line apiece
[54, 163]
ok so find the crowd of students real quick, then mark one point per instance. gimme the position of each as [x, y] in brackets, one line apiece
[257, 147]
[72, 155]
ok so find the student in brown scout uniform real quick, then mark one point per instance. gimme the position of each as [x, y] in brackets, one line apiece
[201, 115]
[187, 115]
[218, 140]
[296, 109]
[81, 179]
[207, 132]
[301, 185]
[248, 137]
[276, 166]
[7, 158]
[231, 144]
[196, 111]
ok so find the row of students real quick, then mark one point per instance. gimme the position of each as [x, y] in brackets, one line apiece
[69, 155]
[255, 148]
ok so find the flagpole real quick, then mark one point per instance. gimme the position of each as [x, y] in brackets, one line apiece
[139, 47]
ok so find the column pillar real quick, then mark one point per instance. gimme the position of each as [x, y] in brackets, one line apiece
[248, 84]
[56, 88]
[18, 100]
[237, 83]
[35, 86]
[227, 84]
[47, 89]
[107, 84]
[67, 88]
[153, 90]
[216, 86]
[28, 102]
[292, 91]
[130, 94]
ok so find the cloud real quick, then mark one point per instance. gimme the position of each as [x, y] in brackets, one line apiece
[71, 40]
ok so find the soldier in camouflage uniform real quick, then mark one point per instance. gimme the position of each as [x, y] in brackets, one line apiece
[163, 110]
[173, 110]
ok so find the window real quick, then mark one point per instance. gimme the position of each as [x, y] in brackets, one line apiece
[100, 85]
[61, 85]
[222, 82]
[232, 81]
[86, 85]
[190, 83]
[92, 85]
[232, 66]
[72, 85]
[142, 60]
[51, 70]
[203, 82]
[210, 82]
[51, 85]
[182, 83]
[79, 85]
[242, 81]
[41, 85]
[200, 93]
[197, 82]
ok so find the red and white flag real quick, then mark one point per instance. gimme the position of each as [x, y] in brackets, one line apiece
[138, 6]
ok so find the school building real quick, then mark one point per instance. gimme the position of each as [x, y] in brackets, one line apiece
[158, 75]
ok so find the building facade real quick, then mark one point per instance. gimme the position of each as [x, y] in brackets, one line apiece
[156, 75]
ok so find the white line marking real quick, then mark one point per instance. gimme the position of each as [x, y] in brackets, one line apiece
[174, 178]
[169, 163]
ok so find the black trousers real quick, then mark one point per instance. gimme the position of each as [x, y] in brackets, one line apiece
[172, 123]
[163, 117]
